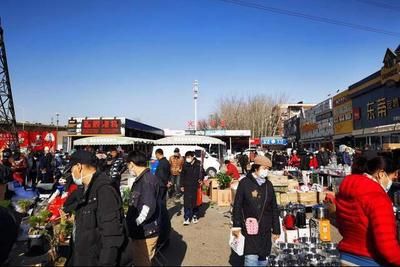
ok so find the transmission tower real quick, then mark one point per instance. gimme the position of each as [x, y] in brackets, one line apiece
[8, 123]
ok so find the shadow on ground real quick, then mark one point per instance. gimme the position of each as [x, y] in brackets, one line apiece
[172, 254]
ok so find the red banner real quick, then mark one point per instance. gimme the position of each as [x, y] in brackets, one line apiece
[37, 140]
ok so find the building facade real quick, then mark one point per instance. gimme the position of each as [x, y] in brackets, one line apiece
[376, 105]
[316, 126]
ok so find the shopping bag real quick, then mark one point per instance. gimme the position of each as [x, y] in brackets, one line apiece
[199, 199]
[237, 243]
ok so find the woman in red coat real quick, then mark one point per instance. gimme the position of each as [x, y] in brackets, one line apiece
[365, 217]
[313, 162]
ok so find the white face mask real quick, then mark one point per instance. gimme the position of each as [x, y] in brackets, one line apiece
[389, 184]
[79, 181]
[264, 173]
[189, 160]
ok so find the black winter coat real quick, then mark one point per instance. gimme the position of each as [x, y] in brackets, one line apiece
[323, 158]
[248, 203]
[146, 190]
[99, 233]
[190, 176]
[163, 171]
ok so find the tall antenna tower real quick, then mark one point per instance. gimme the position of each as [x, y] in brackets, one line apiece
[8, 123]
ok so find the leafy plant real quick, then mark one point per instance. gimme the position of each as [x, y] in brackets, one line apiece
[204, 188]
[24, 204]
[224, 180]
[126, 193]
[38, 223]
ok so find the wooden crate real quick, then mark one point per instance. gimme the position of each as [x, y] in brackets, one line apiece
[278, 198]
[293, 185]
[224, 197]
[286, 198]
[281, 189]
[214, 190]
[307, 198]
[278, 180]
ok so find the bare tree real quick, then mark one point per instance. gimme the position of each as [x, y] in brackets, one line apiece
[257, 113]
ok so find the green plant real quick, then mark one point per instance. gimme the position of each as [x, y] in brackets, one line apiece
[224, 180]
[38, 222]
[126, 193]
[24, 204]
[204, 188]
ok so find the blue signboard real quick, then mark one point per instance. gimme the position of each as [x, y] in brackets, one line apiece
[274, 141]
[380, 106]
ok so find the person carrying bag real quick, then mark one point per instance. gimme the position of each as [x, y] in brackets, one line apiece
[256, 212]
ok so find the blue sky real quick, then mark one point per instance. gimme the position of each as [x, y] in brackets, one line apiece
[138, 58]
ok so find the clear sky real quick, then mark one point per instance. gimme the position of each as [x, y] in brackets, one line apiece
[138, 58]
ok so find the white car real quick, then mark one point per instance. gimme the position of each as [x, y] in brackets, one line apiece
[210, 164]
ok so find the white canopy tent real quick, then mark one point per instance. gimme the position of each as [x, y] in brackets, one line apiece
[189, 140]
[110, 141]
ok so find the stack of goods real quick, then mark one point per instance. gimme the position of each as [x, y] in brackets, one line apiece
[309, 252]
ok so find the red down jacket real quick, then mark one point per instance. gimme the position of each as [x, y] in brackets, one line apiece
[365, 219]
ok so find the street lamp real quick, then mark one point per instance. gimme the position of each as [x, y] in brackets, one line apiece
[195, 97]
[57, 115]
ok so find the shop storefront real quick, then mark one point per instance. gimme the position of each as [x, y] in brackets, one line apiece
[343, 119]
[376, 105]
[113, 126]
[316, 126]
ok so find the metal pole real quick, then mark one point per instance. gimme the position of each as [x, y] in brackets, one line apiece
[195, 96]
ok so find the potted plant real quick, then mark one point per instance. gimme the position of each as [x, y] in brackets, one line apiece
[38, 233]
[224, 180]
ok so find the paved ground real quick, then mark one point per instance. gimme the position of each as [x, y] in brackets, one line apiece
[205, 243]
[202, 244]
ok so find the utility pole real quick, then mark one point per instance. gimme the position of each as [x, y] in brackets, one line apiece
[195, 97]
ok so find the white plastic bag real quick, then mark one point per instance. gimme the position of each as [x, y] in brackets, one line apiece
[237, 243]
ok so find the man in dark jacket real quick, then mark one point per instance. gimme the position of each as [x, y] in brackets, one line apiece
[144, 214]
[255, 198]
[99, 233]
[243, 161]
[191, 177]
[163, 171]
[323, 157]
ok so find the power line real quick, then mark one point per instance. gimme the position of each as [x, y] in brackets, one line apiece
[380, 4]
[311, 17]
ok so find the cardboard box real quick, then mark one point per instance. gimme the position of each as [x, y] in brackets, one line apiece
[278, 180]
[307, 198]
[286, 198]
[224, 197]
[291, 236]
[293, 185]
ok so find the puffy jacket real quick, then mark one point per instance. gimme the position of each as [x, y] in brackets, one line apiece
[176, 165]
[99, 233]
[232, 171]
[365, 219]
[313, 163]
[295, 161]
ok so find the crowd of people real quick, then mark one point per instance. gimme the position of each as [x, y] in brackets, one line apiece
[362, 210]
[104, 235]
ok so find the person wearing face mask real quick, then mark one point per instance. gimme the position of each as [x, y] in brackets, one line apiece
[255, 207]
[99, 234]
[192, 175]
[364, 215]
[144, 217]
